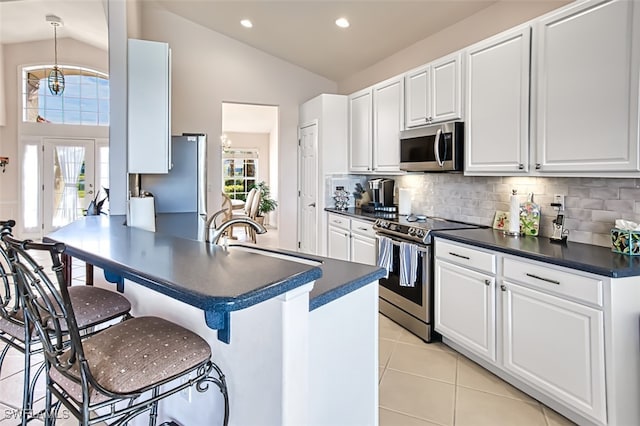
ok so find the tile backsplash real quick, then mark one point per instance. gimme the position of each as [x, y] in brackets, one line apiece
[591, 204]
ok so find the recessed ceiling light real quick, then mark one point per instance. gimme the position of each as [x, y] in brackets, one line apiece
[342, 22]
[246, 23]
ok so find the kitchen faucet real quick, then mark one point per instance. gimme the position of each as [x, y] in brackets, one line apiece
[212, 235]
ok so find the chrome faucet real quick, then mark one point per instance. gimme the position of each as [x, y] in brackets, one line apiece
[212, 235]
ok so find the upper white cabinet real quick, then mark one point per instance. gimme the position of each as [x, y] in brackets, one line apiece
[586, 84]
[388, 101]
[375, 121]
[360, 128]
[497, 104]
[434, 92]
[149, 107]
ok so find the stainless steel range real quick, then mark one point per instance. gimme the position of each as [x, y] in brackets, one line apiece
[404, 248]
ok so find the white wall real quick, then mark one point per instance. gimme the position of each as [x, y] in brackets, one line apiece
[16, 55]
[210, 68]
[492, 20]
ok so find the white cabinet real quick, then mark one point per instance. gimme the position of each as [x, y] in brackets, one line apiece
[375, 118]
[339, 237]
[388, 104]
[465, 298]
[555, 345]
[586, 63]
[149, 107]
[497, 104]
[539, 325]
[434, 92]
[360, 128]
[322, 151]
[351, 239]
[363, 242]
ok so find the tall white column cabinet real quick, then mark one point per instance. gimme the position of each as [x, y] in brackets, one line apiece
[329, 114]
[149, 107]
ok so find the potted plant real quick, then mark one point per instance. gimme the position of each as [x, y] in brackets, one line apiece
[267, 204]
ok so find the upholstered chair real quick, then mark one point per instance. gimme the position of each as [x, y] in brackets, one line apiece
[116, 373]
[94, 306]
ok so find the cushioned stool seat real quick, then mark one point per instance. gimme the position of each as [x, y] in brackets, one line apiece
[134, 355]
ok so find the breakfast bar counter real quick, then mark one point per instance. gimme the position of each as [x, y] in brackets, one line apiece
[278, 322]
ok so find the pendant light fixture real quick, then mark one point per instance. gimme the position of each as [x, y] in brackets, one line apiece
[56, 78]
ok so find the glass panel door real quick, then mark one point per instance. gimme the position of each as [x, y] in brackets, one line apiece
[68, 184]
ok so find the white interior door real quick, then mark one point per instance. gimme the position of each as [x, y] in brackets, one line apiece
[68, 180]
[308, 198]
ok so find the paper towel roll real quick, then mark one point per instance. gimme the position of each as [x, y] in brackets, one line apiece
[514, 214]
[404, 201]
[142, 213]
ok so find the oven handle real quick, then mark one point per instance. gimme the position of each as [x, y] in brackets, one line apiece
[396, 242]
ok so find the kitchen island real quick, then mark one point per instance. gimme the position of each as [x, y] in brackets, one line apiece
[296, 336]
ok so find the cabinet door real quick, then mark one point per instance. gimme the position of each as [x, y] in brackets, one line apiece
[497, 104]
[556, 346]
[446, 82]
[465, 308]
[418, 104]
[360, 128]
[363, 249]
[338, 243]
[388, 99]
[587, 88]
[149, 106]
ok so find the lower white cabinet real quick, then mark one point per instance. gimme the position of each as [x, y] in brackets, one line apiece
[363, 242]
[339, 236]
[543, 327]
[351, 239]
[465, 308]
[556, 345]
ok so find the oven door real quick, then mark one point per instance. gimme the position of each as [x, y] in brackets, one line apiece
[413, 300]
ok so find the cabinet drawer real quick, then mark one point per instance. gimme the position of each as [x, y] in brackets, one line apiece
[466, 256]
[339, 221]
[363, 228]
[566, 283]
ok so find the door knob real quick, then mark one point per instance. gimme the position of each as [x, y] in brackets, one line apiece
[89, 192]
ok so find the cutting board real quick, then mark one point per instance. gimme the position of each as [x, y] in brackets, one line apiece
[529, 216]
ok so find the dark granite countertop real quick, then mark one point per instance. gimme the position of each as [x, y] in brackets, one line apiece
[584, 257]
[212, 278]
[359, 214]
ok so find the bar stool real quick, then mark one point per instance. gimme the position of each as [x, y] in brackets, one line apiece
[128, 362]
[94, 306]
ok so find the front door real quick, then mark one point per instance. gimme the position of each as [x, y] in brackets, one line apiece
[68, 180]
[308, 180]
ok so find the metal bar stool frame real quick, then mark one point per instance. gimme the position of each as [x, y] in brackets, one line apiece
[23, 337]
[37, 295]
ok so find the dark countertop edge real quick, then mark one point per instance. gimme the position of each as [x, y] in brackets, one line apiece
[353, 212]
[353, 281]
[221, 305]
[607, 272]
[346, 288]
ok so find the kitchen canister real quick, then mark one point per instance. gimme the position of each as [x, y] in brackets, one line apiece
[404, 201]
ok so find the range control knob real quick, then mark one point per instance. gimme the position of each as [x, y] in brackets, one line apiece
[411, 231]
[420, 233]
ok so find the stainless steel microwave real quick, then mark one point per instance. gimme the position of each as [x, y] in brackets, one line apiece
[435, 148]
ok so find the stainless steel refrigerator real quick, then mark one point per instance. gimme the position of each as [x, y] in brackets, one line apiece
[181, 195]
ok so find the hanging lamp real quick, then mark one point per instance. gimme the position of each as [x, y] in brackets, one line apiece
[56, 78]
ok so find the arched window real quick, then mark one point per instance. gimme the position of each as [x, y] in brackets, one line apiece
[85, 100]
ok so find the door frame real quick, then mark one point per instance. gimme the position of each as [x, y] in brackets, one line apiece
[300, 180]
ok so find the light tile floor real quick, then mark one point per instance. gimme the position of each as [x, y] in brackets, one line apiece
[431, 384]
[420, 384]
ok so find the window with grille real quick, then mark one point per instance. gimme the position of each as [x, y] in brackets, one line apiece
[239, 172]
[85, 100]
